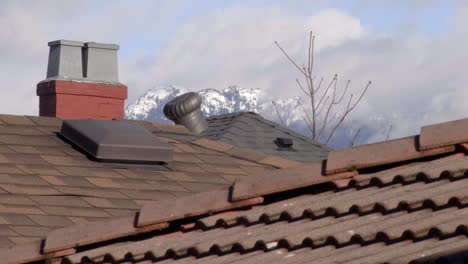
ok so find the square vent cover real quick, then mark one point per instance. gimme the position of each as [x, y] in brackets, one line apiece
[116, 140]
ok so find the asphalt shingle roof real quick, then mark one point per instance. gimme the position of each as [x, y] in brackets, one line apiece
[252, 131]
[46, 183]
[388, 202]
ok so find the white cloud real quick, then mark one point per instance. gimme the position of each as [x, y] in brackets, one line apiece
[417, 79]
[236, 46]
[27, 26]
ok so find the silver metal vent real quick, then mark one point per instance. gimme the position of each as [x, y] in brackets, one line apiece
[116, 141]
[185, 110]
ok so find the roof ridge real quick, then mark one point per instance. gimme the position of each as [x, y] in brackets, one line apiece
[57, 121]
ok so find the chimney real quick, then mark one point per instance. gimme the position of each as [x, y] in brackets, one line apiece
[185, 110]
[82, 82]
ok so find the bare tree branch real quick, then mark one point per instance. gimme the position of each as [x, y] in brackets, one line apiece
[307, 115]
[389, 131]
[354, 138]
[324, 105]
[326, 91]
[307, 123]
[277, 113]
[287, 56]
[302, 88]
[349, 108]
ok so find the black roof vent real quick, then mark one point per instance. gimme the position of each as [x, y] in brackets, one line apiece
[116, 141]
[185, 110]
[284, 143]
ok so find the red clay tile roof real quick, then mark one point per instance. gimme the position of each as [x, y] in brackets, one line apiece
[409, 206]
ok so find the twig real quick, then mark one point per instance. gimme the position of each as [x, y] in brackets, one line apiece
[325, 100]
[277, 113]
[349, 108]
[354, 138]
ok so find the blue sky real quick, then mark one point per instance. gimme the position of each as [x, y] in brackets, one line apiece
[414, 51]
[431, 18]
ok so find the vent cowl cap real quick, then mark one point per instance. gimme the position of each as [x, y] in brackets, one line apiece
[185, 110]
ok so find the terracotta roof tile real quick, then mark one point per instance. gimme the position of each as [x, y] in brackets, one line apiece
[70, 237]
[84, 190]
[443, 134]
[378, 154]
[168, 210]
[282, 180]
[25, 253]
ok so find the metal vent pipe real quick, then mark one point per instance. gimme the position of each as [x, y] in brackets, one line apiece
[185, 110]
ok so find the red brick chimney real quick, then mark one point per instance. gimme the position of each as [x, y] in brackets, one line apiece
[82, 82]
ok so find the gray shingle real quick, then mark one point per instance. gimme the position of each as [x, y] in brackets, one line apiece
[250, 130]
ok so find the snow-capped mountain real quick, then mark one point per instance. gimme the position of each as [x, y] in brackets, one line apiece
[228, 100]
[236, 99]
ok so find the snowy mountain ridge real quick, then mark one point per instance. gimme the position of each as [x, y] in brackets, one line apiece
[233, 99]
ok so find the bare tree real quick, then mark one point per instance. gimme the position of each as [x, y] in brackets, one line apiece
[325, 117]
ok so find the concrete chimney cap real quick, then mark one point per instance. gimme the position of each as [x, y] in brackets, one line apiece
[182, 105]
[101, 45]
[66, 43]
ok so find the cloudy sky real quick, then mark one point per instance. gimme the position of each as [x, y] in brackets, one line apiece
[415, 52]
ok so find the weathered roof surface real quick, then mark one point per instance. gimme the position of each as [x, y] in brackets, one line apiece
[45, 183]
[407, 206]
[250, 130]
